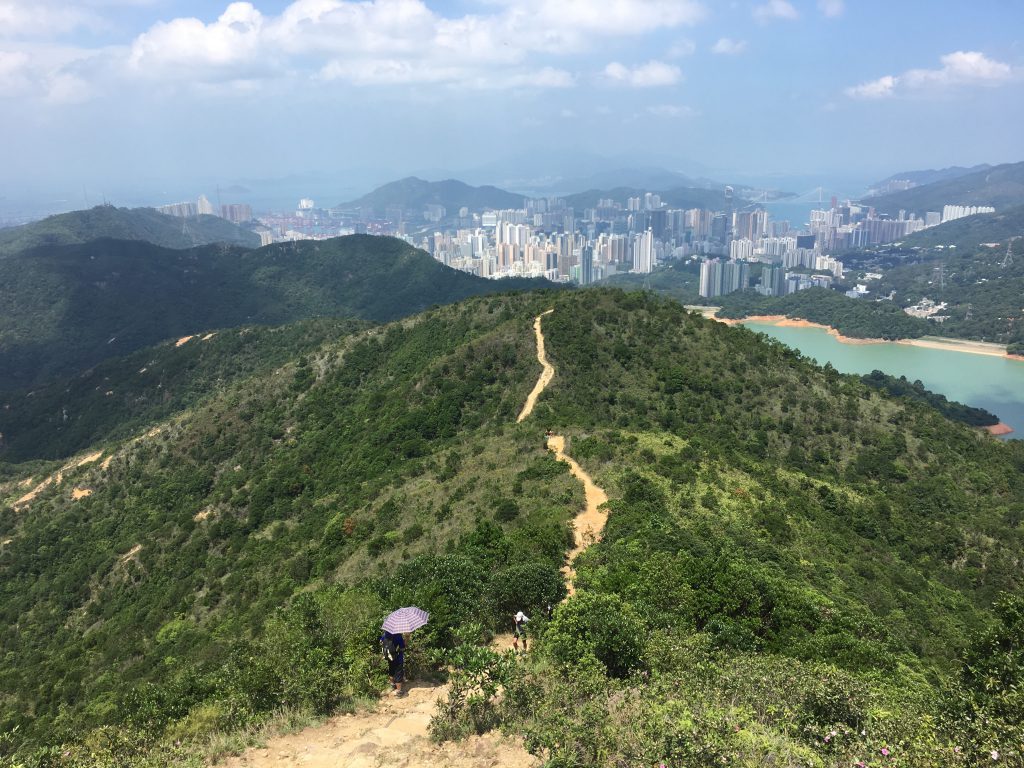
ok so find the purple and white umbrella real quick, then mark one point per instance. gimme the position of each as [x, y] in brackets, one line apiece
[405, 620]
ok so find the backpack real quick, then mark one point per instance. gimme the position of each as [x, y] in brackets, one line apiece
[388, 648]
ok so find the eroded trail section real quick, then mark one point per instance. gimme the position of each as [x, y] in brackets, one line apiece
[546, 374]
[394, 734]
[589, 523]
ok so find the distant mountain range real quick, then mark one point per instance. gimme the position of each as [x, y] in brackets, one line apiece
[920, 178]
[64, 308]
[414, 194]
[1001, 186]
[124, 224]
[682, 197]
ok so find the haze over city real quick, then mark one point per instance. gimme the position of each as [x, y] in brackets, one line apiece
[144, 102]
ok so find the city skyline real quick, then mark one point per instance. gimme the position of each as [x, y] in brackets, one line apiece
[120, 92]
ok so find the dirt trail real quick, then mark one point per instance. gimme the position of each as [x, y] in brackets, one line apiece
[394, 734]
[546, 374]
[589, 523]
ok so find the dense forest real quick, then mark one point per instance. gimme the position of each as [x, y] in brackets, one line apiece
[983, 297]
[106, 221]
[797, 568]
[65, 308]
[915, 390]
[118, 397]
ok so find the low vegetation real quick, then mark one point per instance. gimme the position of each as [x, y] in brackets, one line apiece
[798, 569]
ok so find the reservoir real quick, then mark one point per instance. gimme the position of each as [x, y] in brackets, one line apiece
[984, 381]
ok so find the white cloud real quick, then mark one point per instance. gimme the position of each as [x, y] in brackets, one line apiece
[514, 44]
[649, 75]
[729, 47]
[681, 49]
[672, 110]
[776, 9]
[873, 89]
[14, 72]
[961, 68]
[831, 8]
[188, 47]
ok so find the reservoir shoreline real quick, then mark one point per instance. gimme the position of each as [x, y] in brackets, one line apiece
[926, 342]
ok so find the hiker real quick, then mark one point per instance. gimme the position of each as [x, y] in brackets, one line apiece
[520, 630]
[392, 648]
[550, 611]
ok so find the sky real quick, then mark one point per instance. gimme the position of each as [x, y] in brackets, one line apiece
[137, 100]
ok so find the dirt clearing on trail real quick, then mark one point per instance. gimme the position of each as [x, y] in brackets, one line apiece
[395, 734]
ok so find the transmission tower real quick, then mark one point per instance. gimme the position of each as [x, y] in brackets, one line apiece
[1008, 259]
[967, 315]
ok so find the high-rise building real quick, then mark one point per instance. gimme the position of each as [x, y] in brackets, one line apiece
[643, 252]
[718, 278]
[204, 207]
[587, 265]
[239, 213]
[728, 216]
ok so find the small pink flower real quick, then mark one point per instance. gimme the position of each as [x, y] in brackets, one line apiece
[994, 754]
[885, 751]
[860, 764]
[828, 739]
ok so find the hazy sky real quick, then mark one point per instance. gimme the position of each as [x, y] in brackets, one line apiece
[144, 93]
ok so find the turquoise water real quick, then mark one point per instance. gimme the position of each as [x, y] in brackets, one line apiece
[994, 383]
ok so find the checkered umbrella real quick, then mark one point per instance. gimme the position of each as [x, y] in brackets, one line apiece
[406, 620]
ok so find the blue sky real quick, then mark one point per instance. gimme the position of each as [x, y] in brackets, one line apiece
[159, 94]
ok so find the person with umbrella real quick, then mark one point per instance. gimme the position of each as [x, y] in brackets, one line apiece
[392, 641]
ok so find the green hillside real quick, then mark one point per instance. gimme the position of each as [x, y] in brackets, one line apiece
[413, 194]
[65, 308]
[796, 570]
[983, 296]
[679, 197]
[1001, 186]
[106, 221]
[931, 175]
[971, 231]
[122, 395]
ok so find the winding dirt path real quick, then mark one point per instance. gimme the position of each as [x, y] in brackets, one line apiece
[395, 733]
[589, 523]
[547, 373]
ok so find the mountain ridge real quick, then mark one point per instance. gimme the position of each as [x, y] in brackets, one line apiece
[1001, 186]
[65, 308]
[143, 224]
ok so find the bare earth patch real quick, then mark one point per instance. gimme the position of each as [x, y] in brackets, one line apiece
[81, 493]
[394, 735]
[183, 340]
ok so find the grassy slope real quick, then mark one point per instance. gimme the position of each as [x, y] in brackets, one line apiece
[122, 396]
[106, 221]
[66, 308]
[761, 506]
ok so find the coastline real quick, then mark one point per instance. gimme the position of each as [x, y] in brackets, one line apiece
[927, 342]
[999, 429]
